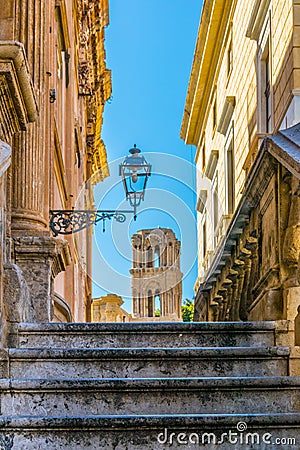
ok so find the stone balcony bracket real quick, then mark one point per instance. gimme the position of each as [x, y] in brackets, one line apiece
[40, 248]
[15, 74]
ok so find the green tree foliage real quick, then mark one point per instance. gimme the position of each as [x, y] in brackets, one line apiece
[187, 310]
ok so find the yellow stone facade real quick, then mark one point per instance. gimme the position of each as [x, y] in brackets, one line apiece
[243, 97]
[108, 309]
[54, 84]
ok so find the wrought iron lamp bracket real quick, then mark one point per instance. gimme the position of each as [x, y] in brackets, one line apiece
[71, 221]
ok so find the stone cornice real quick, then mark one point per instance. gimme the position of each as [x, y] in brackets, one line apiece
[226, 114]
[201, 200]
[212, 164]
[14, 67]
[34, 248]
[257, 17]
[285, 147]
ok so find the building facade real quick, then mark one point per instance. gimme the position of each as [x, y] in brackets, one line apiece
[54, 84]
[242, 114]
[156, 279]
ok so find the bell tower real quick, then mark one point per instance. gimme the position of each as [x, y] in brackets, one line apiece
[156, 279]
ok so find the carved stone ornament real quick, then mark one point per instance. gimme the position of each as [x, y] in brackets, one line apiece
[291, 248]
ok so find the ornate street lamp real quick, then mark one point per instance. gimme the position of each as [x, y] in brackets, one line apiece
[134, 172]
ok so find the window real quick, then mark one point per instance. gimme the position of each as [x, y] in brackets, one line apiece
[157, 256]
[215, 202]
[229, 58]
[201, 154]
[259, 29]
[214, 114]
[264, 81]
[204, 240]
[203, 157]
[229, 173]
[267, 92]
[63, 39]
[157, 305]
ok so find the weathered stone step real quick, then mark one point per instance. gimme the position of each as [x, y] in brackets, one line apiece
[148, 363]
[91, 335]
[150, 396]
[263, 432]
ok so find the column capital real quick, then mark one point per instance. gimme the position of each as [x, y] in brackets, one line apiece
[35, 248]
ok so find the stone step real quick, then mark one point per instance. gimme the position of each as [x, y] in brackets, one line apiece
[44, 397]
[148, 363]
[167, 432]
[93, 335]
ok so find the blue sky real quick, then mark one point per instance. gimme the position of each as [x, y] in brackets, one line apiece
[150, 46]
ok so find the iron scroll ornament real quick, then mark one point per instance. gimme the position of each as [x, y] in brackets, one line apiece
[71, 221]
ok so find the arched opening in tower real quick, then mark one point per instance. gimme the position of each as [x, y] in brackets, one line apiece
[157, 305]
[156, 256]
[150, 304]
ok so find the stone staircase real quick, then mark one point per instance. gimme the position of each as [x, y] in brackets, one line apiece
[147, 386]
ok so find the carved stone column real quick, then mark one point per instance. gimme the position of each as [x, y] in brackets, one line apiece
[227, 284]
[223, 292]
[38, 256]
[30, 159]
[245, 255]
[213, 312]
[18, 107]
[240, 312]
[234, 312]
[252, 245]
